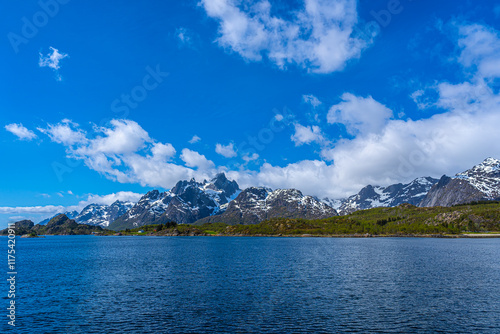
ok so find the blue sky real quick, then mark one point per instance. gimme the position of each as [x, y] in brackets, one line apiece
[104, 101]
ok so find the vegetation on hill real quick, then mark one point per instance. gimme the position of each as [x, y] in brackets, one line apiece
[404, 219]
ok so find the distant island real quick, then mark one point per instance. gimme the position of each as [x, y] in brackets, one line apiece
[59, 225]
[476, 218]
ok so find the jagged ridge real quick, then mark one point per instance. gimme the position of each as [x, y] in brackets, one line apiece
[256, 204]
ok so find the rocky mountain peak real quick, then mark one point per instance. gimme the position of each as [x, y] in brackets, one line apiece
[368, 191]
[481, 182]
[485, 177]
[221, 183]
[489, 167]
[151, 195]
[186, 202]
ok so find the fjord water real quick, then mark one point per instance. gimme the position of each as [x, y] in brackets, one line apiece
[85, 284]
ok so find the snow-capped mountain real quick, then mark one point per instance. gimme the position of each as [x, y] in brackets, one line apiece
[256, 204]
[221, 200]
[103, 215]
[185, 203]
[481, 182]
[376, 196]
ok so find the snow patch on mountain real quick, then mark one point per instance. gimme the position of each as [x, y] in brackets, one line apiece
[377, 196]
[485, 177]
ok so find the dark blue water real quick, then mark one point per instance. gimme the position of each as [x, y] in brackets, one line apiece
[85, 284]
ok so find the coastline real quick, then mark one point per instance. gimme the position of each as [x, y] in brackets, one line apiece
[446, 236]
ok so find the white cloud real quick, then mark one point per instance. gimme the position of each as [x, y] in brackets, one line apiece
[317, 37]
[249, 158]
[310, 176]
[195, 159]
[480, 50]
[124, 196]
[417, 97]
[312, 100]
[226, 150]
[162, 151]
[359, 115]
[194, 140]
[278, 117]
[307, 135]
[47, 209]
[52, 60]
[66, 133]
[20, 131]
[124, 152]
[124, 137]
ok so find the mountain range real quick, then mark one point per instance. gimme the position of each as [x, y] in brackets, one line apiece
[222, 200]
[185, 203]
[390, 196]
[256, 204]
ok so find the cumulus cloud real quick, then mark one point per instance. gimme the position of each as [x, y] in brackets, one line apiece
[123, 137]
[163, 151]
[52, 60]
[307, 135]
[124, 196]
[195, 159]
[124, 152]
[359, 115]
[226, 150]
[20, 131]
[317, 37]
[194, 140]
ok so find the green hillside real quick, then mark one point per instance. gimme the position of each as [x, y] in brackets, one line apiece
[402, 220]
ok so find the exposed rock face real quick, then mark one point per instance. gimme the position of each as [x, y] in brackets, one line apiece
[185, 203]
[482, 182]
[393, 195]
[256, 204]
